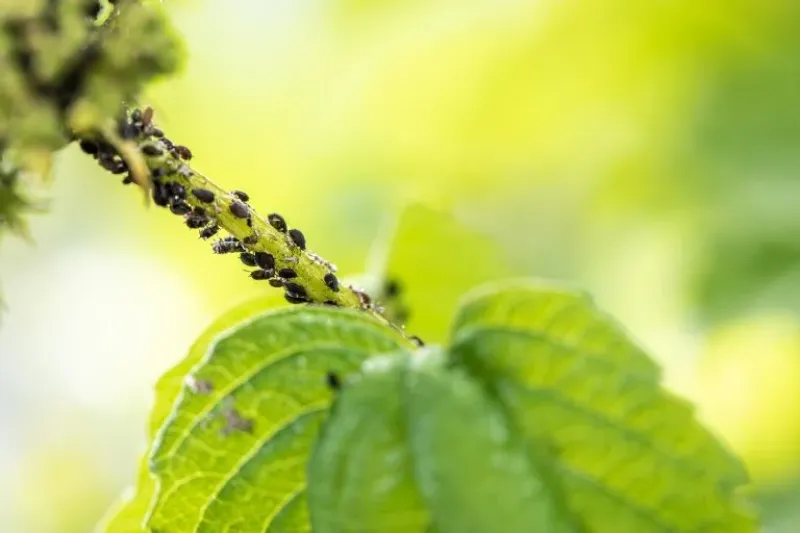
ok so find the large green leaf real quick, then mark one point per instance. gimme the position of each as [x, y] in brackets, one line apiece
[128, 515]
[629, 456]
[415, 447]
[232, 453]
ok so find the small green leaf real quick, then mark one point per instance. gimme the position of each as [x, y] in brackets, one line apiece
[414, 447]
[232, 453]
[437, 260]
[628, 455]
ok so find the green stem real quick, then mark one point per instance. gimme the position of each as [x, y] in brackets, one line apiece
[148, 150]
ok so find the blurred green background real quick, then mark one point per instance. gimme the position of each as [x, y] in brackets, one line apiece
[649, 151]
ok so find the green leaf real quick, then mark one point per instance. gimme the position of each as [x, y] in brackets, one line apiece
[628, 455]
[232, 453]
[128, 515]
[437, 260]
[415, 447]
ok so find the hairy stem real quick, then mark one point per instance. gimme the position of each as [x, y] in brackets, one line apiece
[274, 250]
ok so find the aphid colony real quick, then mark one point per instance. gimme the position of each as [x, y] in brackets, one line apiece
[138, 126]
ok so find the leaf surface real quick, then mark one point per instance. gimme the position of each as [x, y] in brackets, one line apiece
[627, 455]
[416, 447]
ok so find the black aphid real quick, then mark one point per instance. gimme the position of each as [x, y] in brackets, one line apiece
[240, 210]
[151, 150]
[197, 210]
[227, 245]
[160, 195]
[136, 116]
[416, 340]
[295, 289]
[127, 180]
[287, 273]
[155, 132]
[265, 261]
[180, 208]
[331, 281]
[177, 190]
[250, 239]
[333, 381]
[128, 131]
[364, 297]
[260, 274]
[392, 288]
[277, 222]
[195, 221]
[158, 173]
[89, 147]
[298, 238]
[294, 299]
[241, 195]
[204, 195]
[209, 232]
[183, 152]
[331, 303]
[248, 259]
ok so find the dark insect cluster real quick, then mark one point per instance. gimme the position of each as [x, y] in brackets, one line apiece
[199, 206]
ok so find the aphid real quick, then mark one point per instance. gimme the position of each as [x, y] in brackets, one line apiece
[155, 132]
[180, 208]
[89, 147]
[277, 222]
[392, 288]
[298, 238]
[118, 167]
[209, 231]
[265, 261]
[127, 180]
[160, 195]
[260, 274]
[166, 142]
[235, 421]
[417, 341]
[241, 195]
[128, 131]
[197, 210]
[183, 152]
[147, 116]
[249, 222]
[294, 299]
[151, 150]
[195, 221]
[250, 239]
[276, 282]
[136, 116]
[333, 381]
[204, 195]
[295, 289]
[248, 259]
[158, 173]
[331, 303]
[240, 210]
[227, 245]
[331, 281]
[177, 190]
[287, 273]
